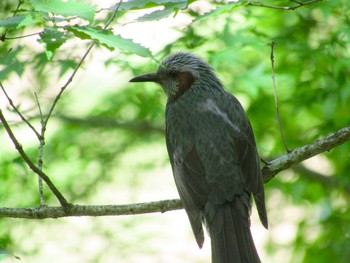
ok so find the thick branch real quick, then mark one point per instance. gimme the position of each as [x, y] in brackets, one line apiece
[269, 171]
[305, 152]
[91, 210]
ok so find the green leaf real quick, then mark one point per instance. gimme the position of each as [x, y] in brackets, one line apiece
[53, 39]
[107, 39]
[222, 9]
[169, 8]
[21, 21]
[67, 8]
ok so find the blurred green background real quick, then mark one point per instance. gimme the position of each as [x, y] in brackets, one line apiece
[105, 141]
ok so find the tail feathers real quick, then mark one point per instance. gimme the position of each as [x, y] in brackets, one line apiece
[260, 204]
[231, 239]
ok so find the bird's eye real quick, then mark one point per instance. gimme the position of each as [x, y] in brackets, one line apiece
[173, 74]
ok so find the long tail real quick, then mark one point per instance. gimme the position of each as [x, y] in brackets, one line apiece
[231, 239]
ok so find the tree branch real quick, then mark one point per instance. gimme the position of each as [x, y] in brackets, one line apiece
[91, 210]
[272, 57]
[19, 113]
[44, 122]
[31, 165]
[305, 152]
[286, 8]
[269, 171]
[40, 152]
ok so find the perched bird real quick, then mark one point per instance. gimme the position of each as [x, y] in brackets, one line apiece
[213, 155]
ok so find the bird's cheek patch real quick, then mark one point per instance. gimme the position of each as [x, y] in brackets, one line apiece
[185, 80]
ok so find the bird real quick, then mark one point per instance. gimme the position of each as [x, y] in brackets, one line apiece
[213, 155]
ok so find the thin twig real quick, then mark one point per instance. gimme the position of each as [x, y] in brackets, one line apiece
[19, 113]
[275, 95]
[31, 165]
[286, 8]
[40, 152]
[23, 36]
[44, 122]
[70, 79]
[63, 88]
[113, 15]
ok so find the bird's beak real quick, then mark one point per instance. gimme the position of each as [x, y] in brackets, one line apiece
[150, 77]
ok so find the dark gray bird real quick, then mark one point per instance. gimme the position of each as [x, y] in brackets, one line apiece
[213, 155]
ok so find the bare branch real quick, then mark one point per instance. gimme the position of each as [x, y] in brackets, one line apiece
[31, 165]
[23, 36]
[269, 171]
[40, 152]
[63, 88]
[272, 57]
[114, 14]
[286, 8]
[19, 113]
[91, 210]
[305, 152]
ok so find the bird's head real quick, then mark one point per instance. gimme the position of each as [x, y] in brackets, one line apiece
[180, 72]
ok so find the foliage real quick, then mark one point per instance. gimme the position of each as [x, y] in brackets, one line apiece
[103, 131]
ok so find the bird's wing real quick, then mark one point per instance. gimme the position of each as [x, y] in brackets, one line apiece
[191, 185]
[246, 153]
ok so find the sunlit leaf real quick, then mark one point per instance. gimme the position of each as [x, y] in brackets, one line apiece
[169, 8]
[222, 9]
[66, 8]
[106, 38]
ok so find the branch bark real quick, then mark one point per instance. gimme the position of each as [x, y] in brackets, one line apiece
[91, 210]
[305, 152]
[269, 171]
